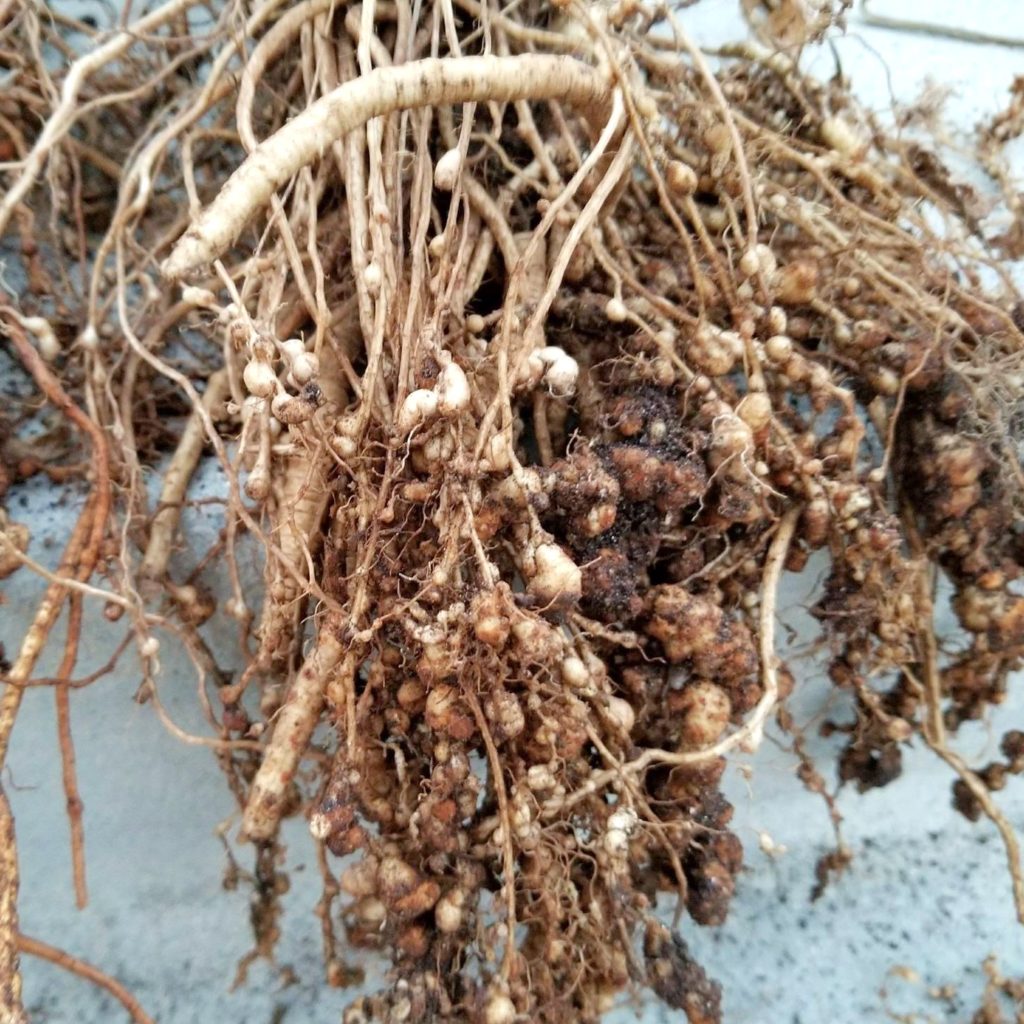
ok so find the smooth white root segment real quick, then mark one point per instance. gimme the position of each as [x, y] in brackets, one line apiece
[422, 83]
[292, 732]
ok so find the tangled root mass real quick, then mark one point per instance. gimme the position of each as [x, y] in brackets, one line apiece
[529, 381]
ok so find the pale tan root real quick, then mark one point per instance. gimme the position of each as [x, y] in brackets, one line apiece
[11, 1010]
[179, 472]
[422, 83]
[301, 499]
[44, 951]
[269, 47]
[292, 731]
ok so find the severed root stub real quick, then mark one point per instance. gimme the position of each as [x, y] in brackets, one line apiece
[543, 349]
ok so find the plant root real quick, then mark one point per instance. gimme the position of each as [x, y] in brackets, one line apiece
[535, 348]
[53, 955]
[420, 84]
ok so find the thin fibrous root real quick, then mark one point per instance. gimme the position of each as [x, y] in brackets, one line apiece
[44, 951]
[64, 116]
[422, 83]
[269, 47]
[83, 549]
[935, 727]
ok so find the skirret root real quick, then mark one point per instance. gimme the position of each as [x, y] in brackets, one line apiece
[425, 83]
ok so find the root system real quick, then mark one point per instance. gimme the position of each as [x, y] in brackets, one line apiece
[532, 348]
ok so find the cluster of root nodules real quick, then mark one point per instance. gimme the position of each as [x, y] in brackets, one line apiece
[531, 400]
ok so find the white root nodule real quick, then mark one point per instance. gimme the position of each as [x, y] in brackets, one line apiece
[556, 577]
[421, 83]
[446, 172]
[453, 394]
[418, 407]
